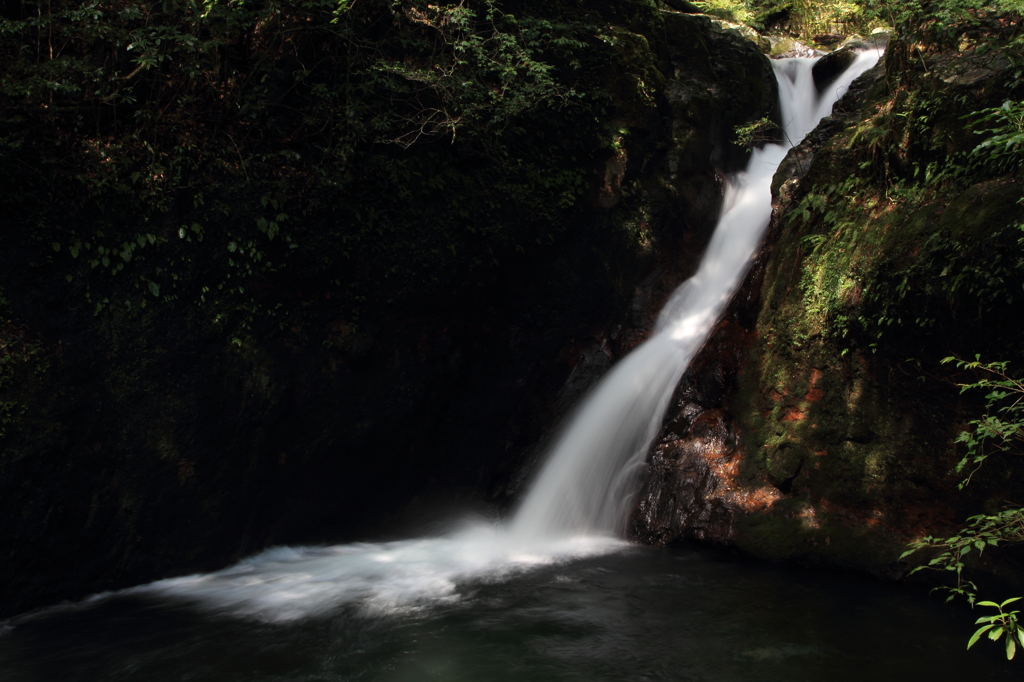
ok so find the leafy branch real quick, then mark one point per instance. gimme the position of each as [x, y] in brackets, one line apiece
[982, 531]
[1003, 150]
[1002, 426]
[1000, 429]
[749, 135]
[998, 625]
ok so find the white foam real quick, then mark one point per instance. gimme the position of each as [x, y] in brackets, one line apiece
[288, 583]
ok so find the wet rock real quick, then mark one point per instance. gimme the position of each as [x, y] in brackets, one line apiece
[878, 39]
[686, 492]
[788, 47]
[683, 6]
[829, 67]
[828, 39]
[745, 31]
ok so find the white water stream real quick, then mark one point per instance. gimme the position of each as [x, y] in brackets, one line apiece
[588, 484]
[581, 498]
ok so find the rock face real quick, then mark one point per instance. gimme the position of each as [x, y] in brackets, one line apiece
[143, 443]
[817, 424]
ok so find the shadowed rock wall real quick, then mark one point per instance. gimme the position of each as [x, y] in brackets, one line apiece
[140, 443]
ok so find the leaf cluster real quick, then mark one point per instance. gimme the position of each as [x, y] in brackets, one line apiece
[1002, 150]
[1003, 624]
[1001, 428]
[981, 532]
[755, 133]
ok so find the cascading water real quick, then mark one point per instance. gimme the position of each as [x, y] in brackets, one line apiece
[581, 498]
[587, 485]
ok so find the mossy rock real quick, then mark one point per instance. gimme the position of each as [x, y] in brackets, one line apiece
[984, 208]
[846, 417]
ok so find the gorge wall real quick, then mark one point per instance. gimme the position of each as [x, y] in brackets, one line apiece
[227, 328]
[170, 402]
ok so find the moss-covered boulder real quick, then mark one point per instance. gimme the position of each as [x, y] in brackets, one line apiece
[891, 248]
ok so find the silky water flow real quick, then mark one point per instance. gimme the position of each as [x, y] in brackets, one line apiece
[579, 501]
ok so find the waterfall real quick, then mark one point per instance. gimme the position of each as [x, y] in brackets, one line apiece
[579, 502]
[587, 484]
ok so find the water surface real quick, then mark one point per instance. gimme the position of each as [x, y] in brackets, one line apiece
[636, 614]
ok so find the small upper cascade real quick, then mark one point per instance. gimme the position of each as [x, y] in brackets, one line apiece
[587, 484]
[801, 104]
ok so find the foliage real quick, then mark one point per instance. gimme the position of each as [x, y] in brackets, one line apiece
[949, 275]
[809, 18]
[731, 10]
[965, 269]
[923, 269]
[828, 281]
[486, 72]
[906, 220]
[1003, 149]
[168, 151]
[756, 132]
[910, 17]
[981, 532]
[1000, 429]
[1002, 624]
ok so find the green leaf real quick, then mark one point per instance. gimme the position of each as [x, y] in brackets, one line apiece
[56, 246]
[1011, 648]
[978, 633]
[154, 289]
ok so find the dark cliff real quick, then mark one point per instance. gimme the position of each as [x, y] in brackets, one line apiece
[224, 328]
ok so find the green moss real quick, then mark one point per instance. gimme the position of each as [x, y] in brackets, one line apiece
[896, 251]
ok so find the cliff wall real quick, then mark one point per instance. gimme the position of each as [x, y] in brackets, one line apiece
[226, 327]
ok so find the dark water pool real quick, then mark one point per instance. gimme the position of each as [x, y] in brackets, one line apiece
[640, 614]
